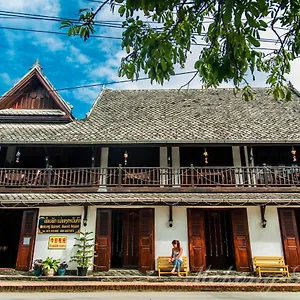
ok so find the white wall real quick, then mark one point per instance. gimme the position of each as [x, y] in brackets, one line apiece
[264, 241]
[164, 235]
[41, 250]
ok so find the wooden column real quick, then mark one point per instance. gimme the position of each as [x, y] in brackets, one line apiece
[175, 166]
[163, 163]
[10, 156]
[237, 164]
[104, 165]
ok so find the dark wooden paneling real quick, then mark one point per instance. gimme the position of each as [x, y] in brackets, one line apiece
[243, 258]
[36, 98]
[131, 239]
[196, 231]
[27, 239]
[146, 243]
[290, 237]
[103, 240]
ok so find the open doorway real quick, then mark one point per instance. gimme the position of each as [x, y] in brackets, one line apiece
[125, 239]
[10, 230]
[218, 240]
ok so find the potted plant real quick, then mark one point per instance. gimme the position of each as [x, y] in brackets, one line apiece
[85, 253]
[37, 267]
[62, 268]
[50, 266]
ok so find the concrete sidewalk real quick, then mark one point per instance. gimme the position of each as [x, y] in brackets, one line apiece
[96, 286]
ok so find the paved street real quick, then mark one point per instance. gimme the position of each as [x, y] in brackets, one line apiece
[149, 296]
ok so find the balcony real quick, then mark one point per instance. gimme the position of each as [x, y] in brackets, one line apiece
[158, 179]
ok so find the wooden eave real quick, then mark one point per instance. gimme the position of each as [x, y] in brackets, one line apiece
[18, 89]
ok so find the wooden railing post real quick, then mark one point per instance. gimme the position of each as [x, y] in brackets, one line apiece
[192, 175]
[120, 175]
[265, 175]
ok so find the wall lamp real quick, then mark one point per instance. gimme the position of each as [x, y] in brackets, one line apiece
[170, 216]
[262, 215]
[85, 213]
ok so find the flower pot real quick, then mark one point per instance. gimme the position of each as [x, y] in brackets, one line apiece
[49, 272]
[37, 272]
[61, 272]
[81, 271]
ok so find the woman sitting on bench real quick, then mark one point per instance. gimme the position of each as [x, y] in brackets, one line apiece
[175, 258]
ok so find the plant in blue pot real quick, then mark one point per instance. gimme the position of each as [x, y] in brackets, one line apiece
[50, 266]
[62, 268]
[37, 267]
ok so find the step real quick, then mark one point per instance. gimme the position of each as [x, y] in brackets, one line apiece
[91, 286]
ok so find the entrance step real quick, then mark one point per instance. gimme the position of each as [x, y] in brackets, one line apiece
[150, 276]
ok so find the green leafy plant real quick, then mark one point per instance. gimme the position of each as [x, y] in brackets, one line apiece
[228, 37]
[37, 264]
[63, 265]
[50, 263]
[85, 253]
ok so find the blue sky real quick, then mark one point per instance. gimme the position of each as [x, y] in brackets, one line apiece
[69, 61]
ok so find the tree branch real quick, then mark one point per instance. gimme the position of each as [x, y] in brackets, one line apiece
[194, 76]
[99, 8]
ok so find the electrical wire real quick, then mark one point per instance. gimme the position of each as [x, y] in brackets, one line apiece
[4, 13]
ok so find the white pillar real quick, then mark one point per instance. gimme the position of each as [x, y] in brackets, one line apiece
[175, 166]
[163, 163]
[247, 165]
[10, 156]
[104, 165]
[236, 155]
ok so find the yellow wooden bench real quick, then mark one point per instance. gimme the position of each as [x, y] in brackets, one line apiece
[165, 267]
[271, 264]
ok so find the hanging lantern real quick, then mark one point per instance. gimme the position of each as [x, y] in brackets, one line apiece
[18, 156]
[205, 156]
[293, 152]
[125, 158]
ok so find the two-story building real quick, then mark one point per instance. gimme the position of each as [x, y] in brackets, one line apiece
[146, 167]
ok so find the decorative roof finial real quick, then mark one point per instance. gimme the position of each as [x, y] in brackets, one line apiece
[37, 65]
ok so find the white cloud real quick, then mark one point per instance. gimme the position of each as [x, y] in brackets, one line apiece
[52, 43]
[5, 78]
[41, 7]
[87, 95]
[75, 56]
[33, 6]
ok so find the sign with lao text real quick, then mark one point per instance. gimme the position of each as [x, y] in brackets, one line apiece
[59, 224]
[57, 242]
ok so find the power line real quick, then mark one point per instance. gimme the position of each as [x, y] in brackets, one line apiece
[97, 23]
[104, 84]
[56, 32]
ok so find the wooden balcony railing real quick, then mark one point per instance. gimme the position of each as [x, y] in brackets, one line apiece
[151, 177]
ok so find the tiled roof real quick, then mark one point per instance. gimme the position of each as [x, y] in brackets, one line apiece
[182, 199]
[171, 116]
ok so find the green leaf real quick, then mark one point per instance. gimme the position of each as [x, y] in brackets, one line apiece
[253, 41]
[121, 10]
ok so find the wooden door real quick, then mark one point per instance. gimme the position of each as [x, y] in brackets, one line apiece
[218, 239]
[131, 238]
[290, 237]
[146, 239]
[196, 231]
[242, 249]
[103, 240]
[27, 239]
